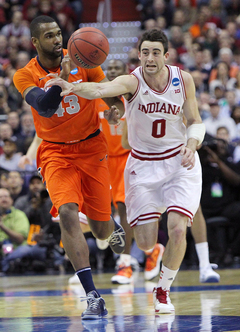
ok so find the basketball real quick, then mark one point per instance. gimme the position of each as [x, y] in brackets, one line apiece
[88, 47]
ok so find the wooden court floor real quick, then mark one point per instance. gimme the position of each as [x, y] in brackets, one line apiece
[48, 303]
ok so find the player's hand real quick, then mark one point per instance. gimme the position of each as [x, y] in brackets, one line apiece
[67, 66]
[23, 161]
[188, 159]
[66, 87]
[112, 115]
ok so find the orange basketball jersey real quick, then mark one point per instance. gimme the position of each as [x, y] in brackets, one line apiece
[76, 117]
[113, 133]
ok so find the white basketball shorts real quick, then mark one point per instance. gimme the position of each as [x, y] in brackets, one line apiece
[151, 187]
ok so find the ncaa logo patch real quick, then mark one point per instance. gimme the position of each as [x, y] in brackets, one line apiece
[74, 71]
[175, 81]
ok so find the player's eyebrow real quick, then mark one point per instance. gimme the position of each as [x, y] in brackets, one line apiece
[154, 49]
[49, 33]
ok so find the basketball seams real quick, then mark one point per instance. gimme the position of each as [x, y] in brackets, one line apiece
[72, 56]
[86, 41]
[87, 47]
[96, 32]
[69, 49]
[85, 58]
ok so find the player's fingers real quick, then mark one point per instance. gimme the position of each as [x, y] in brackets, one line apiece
[186, 153]
[185, 160]
[190, 167]
[192, 164]
[53, 81]
[185, 163]
[188, 159]
[24, 161]
[21, 165]
[67, 57]
[182, 151]
[49, 83]
[52, 75]
[106, 112]
[64, 93]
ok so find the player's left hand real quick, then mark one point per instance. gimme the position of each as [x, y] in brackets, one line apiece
[112, 115]
[67, 66]
[188, 159]
[23, 161]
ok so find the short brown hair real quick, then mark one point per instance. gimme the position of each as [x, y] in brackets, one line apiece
[154, 35]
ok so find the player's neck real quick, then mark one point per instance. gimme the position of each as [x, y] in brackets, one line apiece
[48, 64]
[159, 81]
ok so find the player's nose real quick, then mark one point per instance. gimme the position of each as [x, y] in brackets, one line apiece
[57, 39]
[150, 57]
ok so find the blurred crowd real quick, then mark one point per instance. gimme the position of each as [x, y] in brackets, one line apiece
[204, 39]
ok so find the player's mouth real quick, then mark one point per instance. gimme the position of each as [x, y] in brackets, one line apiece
[151, 66]
[58, 48]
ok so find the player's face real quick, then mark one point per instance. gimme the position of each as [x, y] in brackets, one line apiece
[152, 57]
[115, 68]
[49, 43]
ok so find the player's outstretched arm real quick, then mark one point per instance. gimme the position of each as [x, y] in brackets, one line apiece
[119, 86]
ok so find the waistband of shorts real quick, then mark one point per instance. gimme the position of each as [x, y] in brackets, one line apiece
[97, 132]
[156, 156]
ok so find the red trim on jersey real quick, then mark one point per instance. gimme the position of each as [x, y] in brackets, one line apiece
[182, 83]
[159, 153]
[146, 216]
[157, 156]
[180, 210]
[167, 85]
[154, 159]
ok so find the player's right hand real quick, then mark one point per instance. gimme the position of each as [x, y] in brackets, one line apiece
[24, 160]
[112, 115]
[66, 87]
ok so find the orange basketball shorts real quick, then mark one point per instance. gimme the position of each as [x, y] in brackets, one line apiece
[77, 173]
[116, 168]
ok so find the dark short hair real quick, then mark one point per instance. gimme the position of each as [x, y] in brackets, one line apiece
[123, 64]
[154, 35]
[34, 25]
[213, 102]
[223, 127]
[9, 140]
[234, 107]
[33, 177]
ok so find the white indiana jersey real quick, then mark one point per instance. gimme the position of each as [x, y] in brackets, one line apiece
[155, 119]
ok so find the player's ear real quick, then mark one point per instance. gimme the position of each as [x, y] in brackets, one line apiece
[34, 41]
[166, 55]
